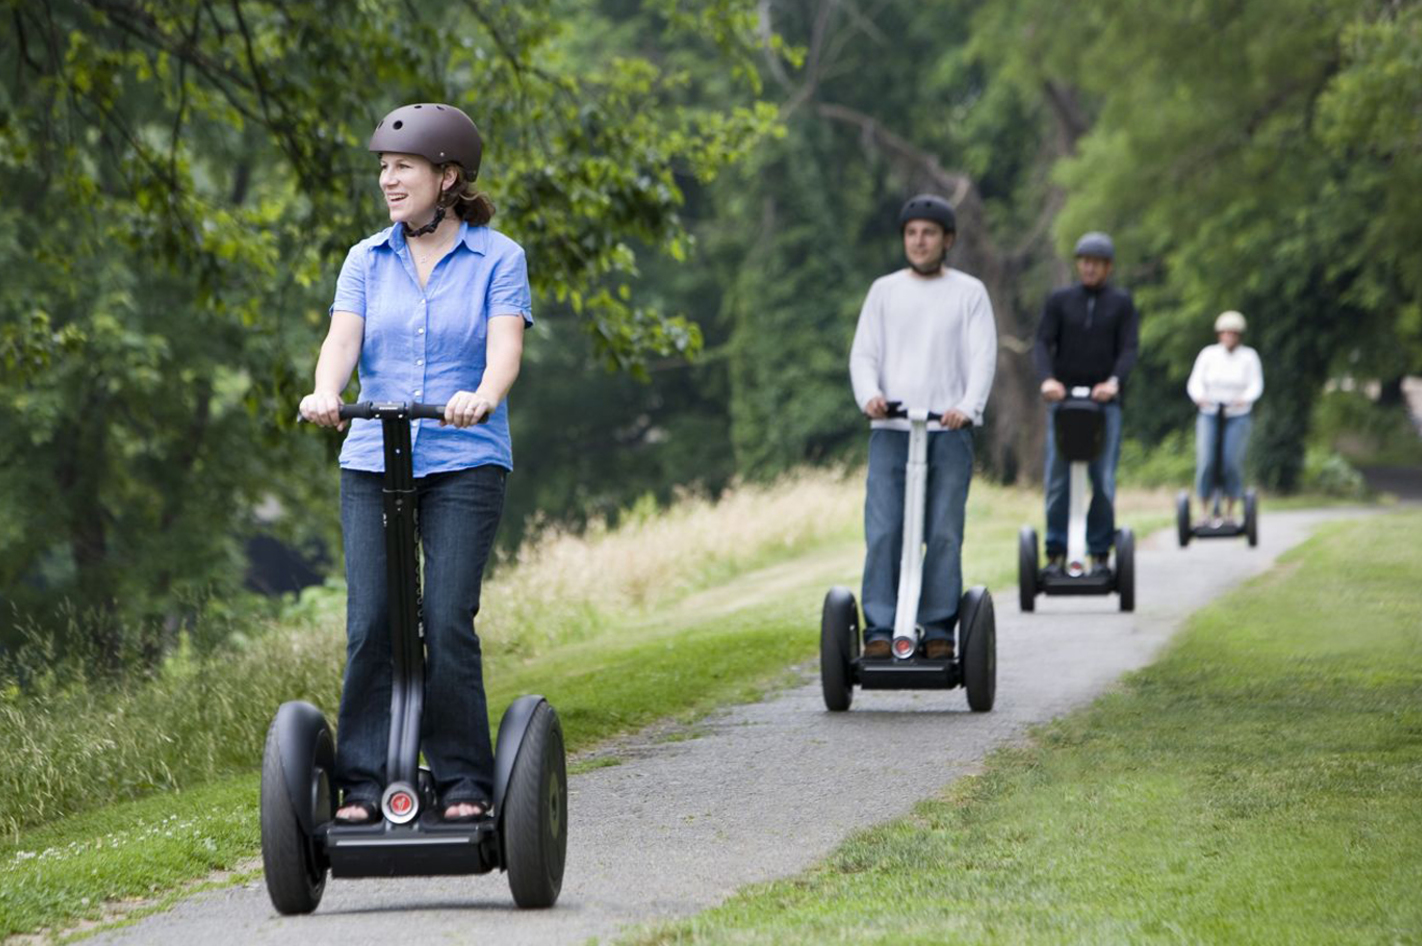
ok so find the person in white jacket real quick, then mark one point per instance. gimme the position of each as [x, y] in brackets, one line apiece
[927, 339]
[1226, 375]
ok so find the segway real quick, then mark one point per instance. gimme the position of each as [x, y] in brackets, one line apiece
[526, 833]
[974, 664]
[1217, 528]
[1080, 428]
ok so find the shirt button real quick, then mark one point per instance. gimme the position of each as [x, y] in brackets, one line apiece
[418, 393]
[422, 331]
[419, 361]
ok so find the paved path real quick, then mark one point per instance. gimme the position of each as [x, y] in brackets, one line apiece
[766, 789]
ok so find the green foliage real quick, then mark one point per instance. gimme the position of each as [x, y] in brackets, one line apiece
[181, 179]
[1241, 166]
[1364, 432]
[1170, 462]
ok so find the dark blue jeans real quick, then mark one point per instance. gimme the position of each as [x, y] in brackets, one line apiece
[950, 469]
[1236, 441]
[458, 513]
[1101, 514]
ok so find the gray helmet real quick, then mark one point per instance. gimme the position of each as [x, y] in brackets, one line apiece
[929, 207]
[438, 133]
[1096, 244]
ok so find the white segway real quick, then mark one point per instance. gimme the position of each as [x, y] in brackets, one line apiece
[974, 664]
[1080, 428]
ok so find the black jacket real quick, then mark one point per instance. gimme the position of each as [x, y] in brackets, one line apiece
[1081, 347]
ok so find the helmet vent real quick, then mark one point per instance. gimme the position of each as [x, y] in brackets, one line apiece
[440, 107]
[398, 125]
[419, 106]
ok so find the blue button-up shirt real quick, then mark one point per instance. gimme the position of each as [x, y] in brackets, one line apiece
[426, 344]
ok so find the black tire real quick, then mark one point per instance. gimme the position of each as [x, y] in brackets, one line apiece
[295, 870]
[1027, 569]
[839, 645]
[535, 818]
[1251, 517]
[1126, 568]
[978, 622]
[1182, 518]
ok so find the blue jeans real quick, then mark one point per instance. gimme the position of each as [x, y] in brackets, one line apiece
[458, 513]
[1101, 514]
[950, 468]
[1236, 441]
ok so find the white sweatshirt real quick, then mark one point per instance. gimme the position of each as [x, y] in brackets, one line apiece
[1226, 377]
[930, 342]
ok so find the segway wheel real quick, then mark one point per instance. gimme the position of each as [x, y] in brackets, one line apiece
[1182, 517]
[1027, 568]
[1251, 517]
[1126, 568]
[978, 624]
[535, 818]
[295, 870]
[839, 645]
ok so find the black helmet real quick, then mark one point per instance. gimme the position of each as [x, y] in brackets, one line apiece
[438, 133]
[929, 207]
[1096, 244]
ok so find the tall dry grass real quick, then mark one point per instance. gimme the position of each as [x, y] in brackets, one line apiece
[80, 742]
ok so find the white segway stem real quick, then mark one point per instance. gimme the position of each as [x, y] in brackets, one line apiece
[905, 642]
[1076, 524]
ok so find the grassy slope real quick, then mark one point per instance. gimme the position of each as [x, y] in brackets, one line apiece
[1258, 785]
[719, 645]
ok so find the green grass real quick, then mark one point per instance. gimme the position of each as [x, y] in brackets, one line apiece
[187, 740]
[68, 869]
[1260, 784]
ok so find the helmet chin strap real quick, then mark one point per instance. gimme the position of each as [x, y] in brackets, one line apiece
[430, 227]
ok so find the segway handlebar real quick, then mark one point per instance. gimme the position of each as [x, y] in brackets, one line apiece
[371, 410]
[374, 410]
[896, 410]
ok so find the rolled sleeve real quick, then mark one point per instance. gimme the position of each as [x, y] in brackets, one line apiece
[350, 285]
[509, 293]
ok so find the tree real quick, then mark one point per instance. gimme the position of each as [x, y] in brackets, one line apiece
[180, 177]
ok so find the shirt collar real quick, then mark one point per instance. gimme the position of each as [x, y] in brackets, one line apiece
[476, 238]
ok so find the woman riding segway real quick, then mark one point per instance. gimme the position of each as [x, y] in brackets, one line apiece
[1226, 381]
[433, 309]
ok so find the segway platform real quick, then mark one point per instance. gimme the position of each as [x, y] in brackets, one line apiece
[1080, 428]
[526, 833]
[1248, 527]
[974, 665]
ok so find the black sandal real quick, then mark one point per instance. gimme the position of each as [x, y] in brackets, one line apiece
[369, 812]
[483, 810]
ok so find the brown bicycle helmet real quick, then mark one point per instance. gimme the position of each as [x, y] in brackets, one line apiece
[436, 132]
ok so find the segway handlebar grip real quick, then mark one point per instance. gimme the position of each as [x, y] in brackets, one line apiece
[897, 410]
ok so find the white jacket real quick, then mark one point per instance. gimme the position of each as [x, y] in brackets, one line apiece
[927, 342]
[1233, 378]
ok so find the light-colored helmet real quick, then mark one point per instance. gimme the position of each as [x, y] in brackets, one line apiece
[1230, 321]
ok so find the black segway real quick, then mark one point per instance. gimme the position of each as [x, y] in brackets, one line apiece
[974, 664]
[527, 831]
[1217, 528]
[1080, 427]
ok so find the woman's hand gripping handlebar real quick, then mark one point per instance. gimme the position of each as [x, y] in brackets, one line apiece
[337, 415]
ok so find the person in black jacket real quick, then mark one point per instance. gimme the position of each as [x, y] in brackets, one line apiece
[1087, 338]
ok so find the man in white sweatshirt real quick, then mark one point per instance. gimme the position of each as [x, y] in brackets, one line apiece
[926, 339]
